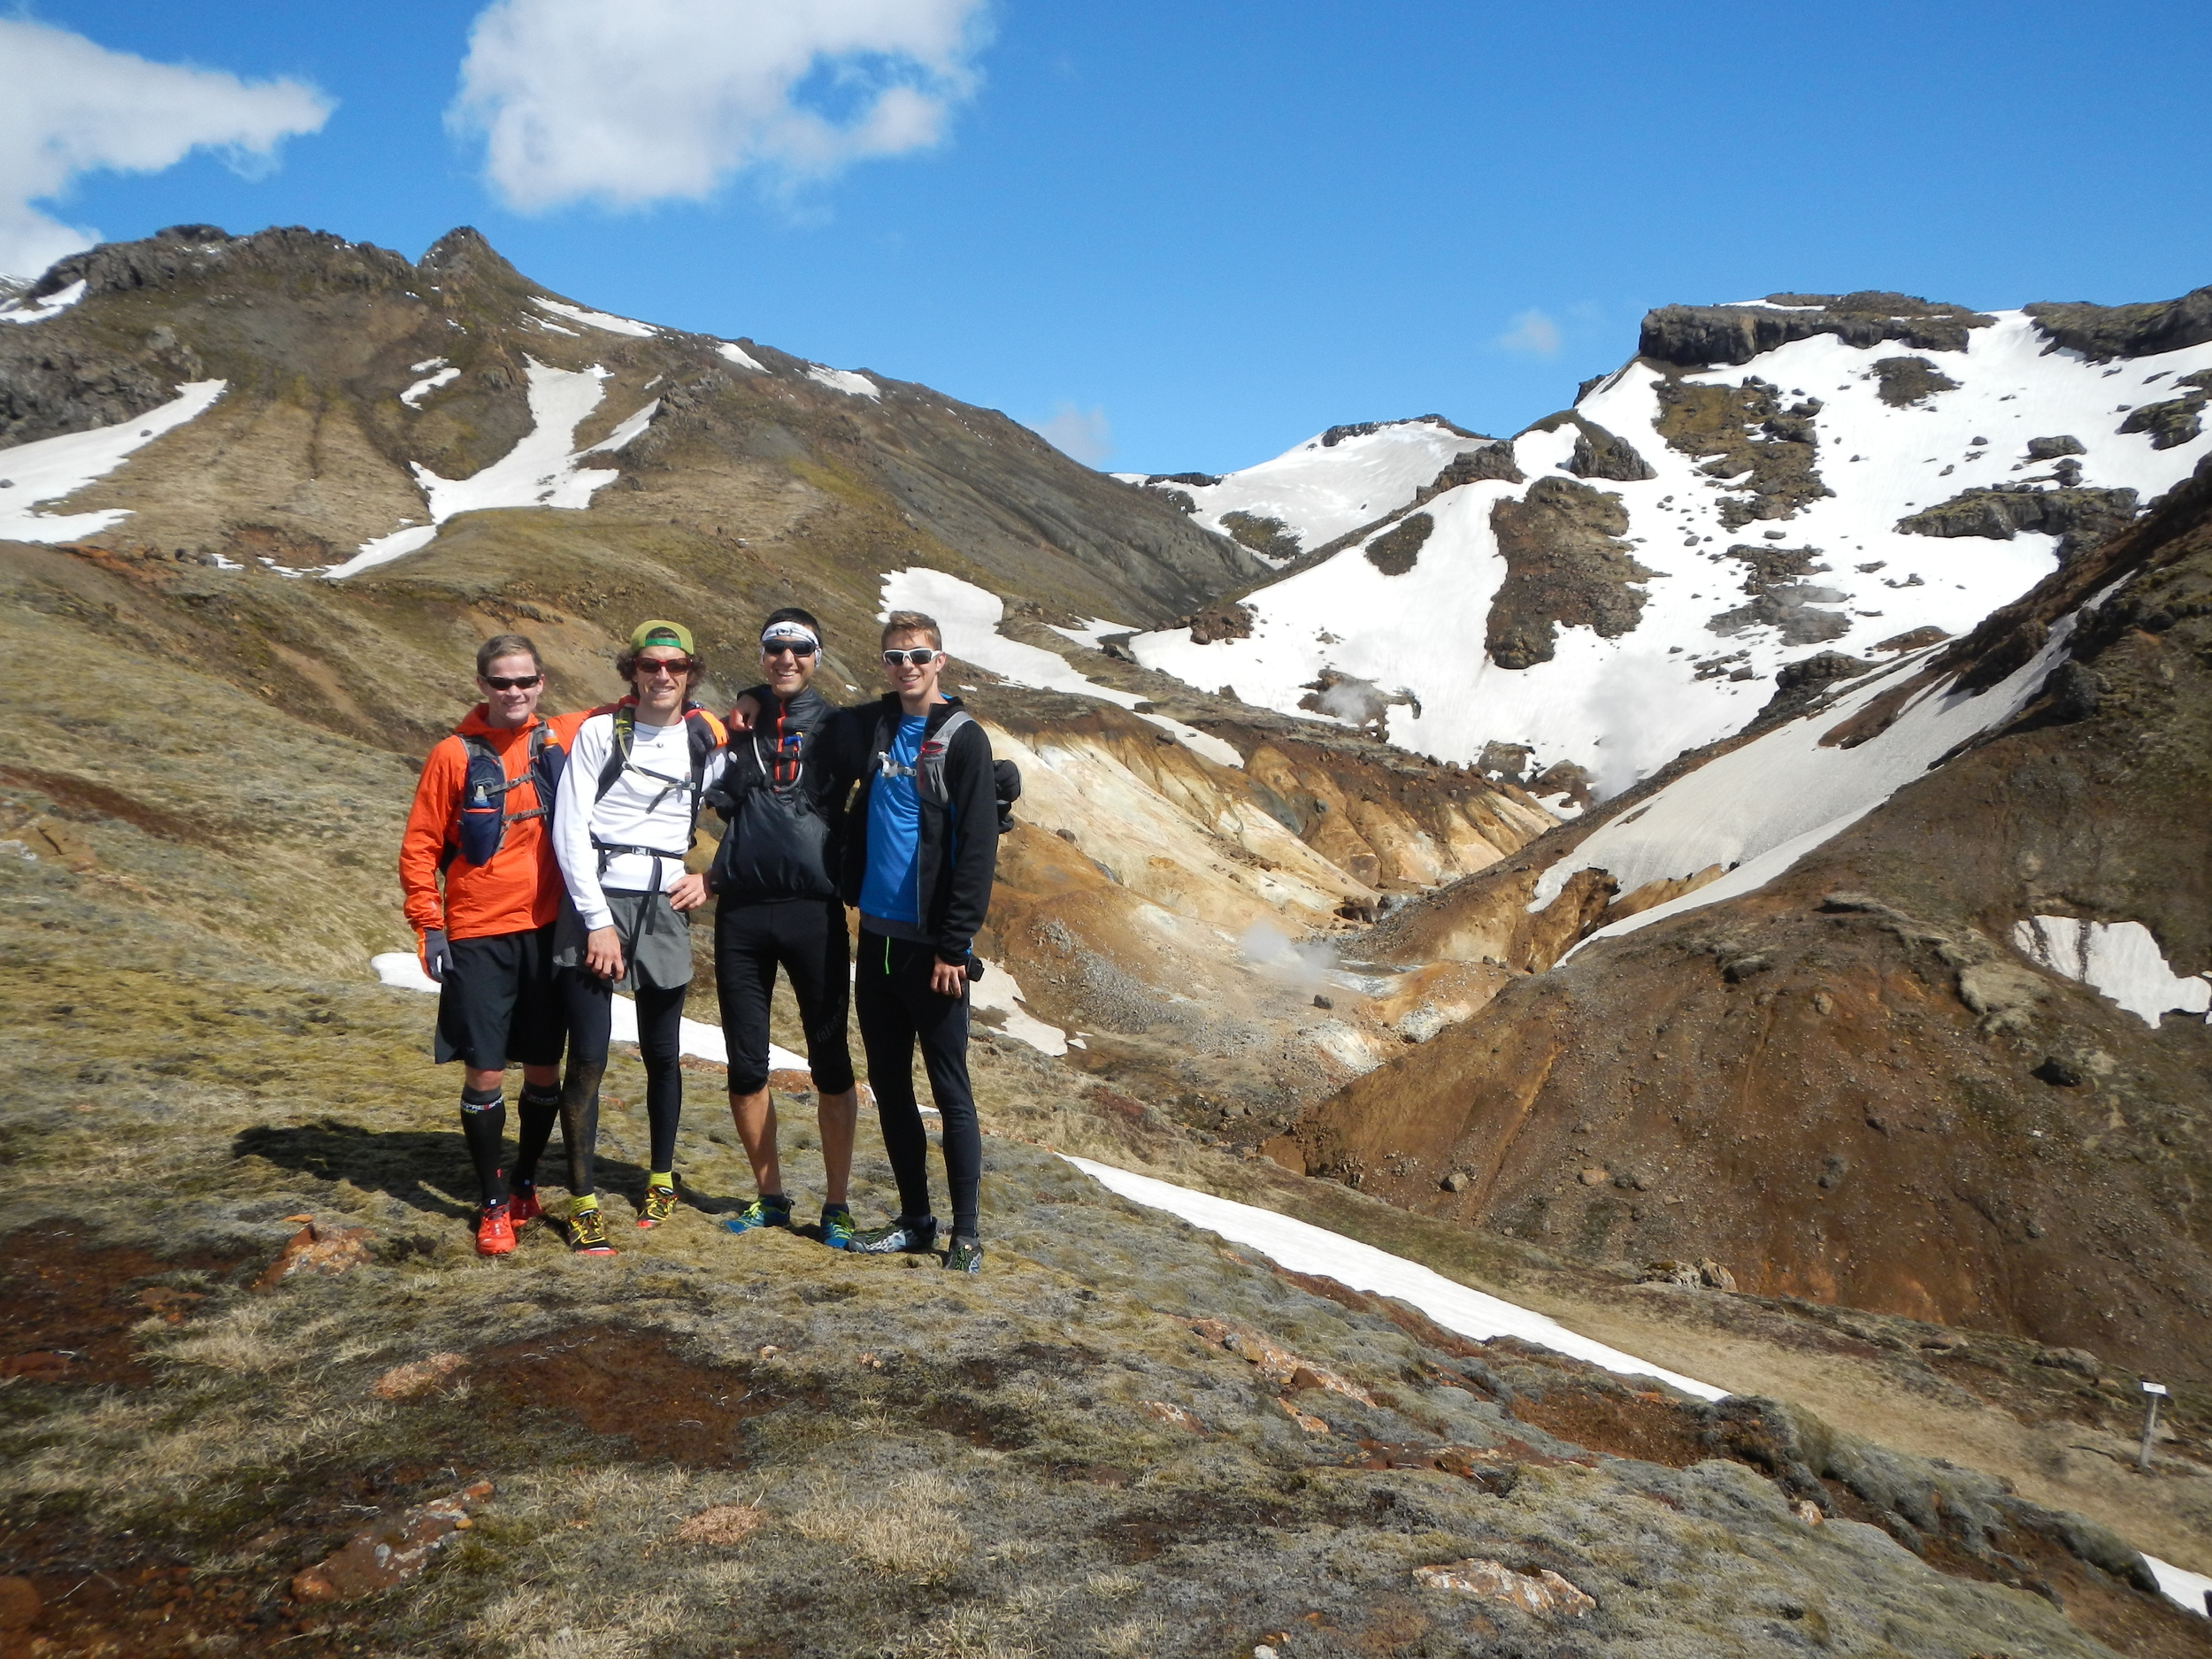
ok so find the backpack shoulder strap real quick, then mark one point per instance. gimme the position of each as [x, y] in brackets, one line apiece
[623, 719]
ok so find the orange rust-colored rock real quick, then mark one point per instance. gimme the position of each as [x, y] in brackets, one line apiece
[417, 1377]
[318, 1247]
[390, 1552]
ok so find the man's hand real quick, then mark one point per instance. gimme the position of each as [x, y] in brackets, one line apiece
[602, 953]
[948, 979]
[437, 955]
[687, 895]
[744, 712]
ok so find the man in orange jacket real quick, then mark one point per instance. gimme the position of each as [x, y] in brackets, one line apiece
[481, 819]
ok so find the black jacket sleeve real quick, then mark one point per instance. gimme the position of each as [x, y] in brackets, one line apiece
[974, 802]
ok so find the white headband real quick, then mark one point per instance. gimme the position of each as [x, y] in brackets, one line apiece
[788, 629]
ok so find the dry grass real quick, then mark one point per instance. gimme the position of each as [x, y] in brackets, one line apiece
[910, 1529]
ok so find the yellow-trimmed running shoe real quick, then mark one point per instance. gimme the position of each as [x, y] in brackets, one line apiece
[660, 1204]
[588, 1233]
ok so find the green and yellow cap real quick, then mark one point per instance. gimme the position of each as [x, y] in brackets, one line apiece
[650, 634]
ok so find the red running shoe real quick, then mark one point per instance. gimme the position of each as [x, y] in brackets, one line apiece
[523, 1207]
[495, 1230]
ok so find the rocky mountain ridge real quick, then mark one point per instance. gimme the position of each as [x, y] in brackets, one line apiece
[1764, 483]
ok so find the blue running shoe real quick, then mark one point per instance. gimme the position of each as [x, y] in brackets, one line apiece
[837, 1226]
[764, 1211]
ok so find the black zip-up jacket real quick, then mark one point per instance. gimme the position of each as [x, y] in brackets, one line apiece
[958, 851]
[780, 795]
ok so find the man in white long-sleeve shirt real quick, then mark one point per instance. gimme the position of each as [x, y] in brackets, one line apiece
[629, 803]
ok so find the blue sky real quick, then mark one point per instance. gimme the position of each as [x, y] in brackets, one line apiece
[1196, 234]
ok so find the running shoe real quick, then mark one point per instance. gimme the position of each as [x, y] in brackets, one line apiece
[495, 1230]
[588, 1233]
[837, 1226]
[966, 1256]
[764, 1211]
[523, 1207]
[660, 1204]
[909, 1235]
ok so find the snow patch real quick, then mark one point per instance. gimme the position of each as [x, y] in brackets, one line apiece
[51, 468]
[1757, 809]
[2120, 959]
[969, 616]
[540, 470]
[403, 971]
[845, 381]
[1305, 1248]
[999, 991]
[23, 311]
[1093, 632]
[445, 375]
[603, 320]
[738, 354]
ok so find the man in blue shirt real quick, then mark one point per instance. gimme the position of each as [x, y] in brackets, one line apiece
[920, 850]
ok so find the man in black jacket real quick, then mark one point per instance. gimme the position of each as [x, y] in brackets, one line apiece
[921, 847]
[775, 879]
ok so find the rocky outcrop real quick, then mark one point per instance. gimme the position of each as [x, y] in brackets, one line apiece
[1770, 451]
[2175, 420]
[1335, 435]
[1223, 621]
[1395, 551]
[1697, 336]
[2080, 517]
[1782, 599]
[1270, 538]
[2054, 448]
[2103, 332]
[1565, 564]
[1597, 452]
[1905, 381]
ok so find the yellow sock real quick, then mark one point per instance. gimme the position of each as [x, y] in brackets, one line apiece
[661, 1178]
[577, 1206]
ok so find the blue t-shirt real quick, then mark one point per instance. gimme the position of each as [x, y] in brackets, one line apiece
[892, 887]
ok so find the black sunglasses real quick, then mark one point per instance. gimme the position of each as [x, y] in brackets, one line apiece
[920, 657]
[796, 647]
[512, 682]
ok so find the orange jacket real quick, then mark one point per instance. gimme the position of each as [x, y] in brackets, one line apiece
[521, 888]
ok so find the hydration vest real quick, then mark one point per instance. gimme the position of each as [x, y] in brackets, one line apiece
[485, 785]
[928, 769]
[705, 737]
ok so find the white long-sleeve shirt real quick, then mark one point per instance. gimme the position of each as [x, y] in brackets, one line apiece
[637, 811]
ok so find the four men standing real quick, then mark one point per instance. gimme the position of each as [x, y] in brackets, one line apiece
[538, 927]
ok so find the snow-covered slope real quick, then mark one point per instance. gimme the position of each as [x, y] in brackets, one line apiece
[1767, 532]
[1327, 487]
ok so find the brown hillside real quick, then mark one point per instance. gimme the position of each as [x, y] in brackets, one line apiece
[1850, 1086]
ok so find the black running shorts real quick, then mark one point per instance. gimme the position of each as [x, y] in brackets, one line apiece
[497, 1006]
[807, 937]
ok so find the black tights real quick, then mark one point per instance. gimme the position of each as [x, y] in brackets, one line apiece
[590, 1003]
[897, 1010]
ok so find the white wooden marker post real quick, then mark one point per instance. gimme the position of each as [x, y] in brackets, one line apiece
[2153, 1393]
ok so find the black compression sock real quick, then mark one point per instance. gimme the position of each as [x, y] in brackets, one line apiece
[540, 1109]
[484, 1126]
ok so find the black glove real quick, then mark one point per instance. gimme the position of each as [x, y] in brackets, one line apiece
[437, 957]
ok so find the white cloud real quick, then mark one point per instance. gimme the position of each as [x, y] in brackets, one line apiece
[69, 106]
[1533, 333]
[1081, 435]
[649, 100]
